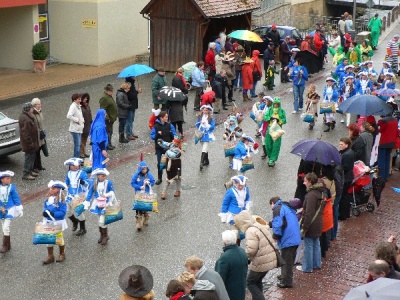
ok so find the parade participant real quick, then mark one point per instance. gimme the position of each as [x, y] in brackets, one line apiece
[388, 82]
[102, 190]
[331, 94]
[312, 104]
[142, 181]
[137, 283]
[153, 117]
[159, 80]
[77, 183]
[363, 84]
[243, 149]
[10, 207]
[205, 125]
[270, 75]
[348, 71]
[354, 54]
[372, 73]
[54, 212]
[99, 139]
[340, 69]
[385, 68]
[173, 167]
[264, 125]
[76, 122]
[392, 50]
[299, 75]
[277, 113]
[258, 112]
[374, 25]
[162, 130]
[348, 89]
[247, 78]
[232, 129]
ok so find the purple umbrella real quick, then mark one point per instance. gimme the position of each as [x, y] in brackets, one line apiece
[388, 92]
[317, 151]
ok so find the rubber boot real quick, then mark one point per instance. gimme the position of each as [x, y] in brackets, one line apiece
[203, 155]
[206, 161]
[101, 235]
[6, 244]
[75, 222]
[328, 127]
[146, 219]
[265, 155]
[139, 221]
[82, 228]
[61, 257]
[105, 236]
[122, 138]
[333, 123]
[50, 256]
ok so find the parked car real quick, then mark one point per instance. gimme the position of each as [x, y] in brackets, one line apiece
[295, 36]
[9, 136]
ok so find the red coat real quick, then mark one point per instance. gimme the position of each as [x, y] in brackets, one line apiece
[247, 76]
[317, 41]
[388, 129]
[256, 65]
[210, 59]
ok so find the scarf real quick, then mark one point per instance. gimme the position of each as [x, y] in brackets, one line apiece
[177, 296]
[182, 78]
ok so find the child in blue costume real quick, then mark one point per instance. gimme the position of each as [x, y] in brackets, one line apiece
[10, 207]
[54, 212]
[99, 139]
[102, 190]
[205, 124]
[142, 181]
[77, 183]
[331, 94]
[243, 150]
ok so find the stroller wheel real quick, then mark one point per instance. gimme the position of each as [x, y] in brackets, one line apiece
[370, 207]
[189, 86]
[356, 211]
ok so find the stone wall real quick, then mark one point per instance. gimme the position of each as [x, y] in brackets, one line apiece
[278, 15]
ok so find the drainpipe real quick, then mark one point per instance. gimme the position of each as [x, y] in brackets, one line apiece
[149, 37]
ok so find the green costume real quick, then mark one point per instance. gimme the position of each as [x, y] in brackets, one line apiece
[270, 77]
[375, 25]
[274, 147]
[156, 85]
[366, 52]
[354, 56]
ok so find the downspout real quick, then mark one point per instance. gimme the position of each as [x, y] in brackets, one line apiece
[149, 36]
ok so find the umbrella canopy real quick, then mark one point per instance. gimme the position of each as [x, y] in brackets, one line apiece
[135, 70]
[381, 288]
[170, 93]
[388, 92]
[365, 105]
[246, 35]
[317, 150]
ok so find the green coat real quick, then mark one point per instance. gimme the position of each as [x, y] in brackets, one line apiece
[375, 24]
[156, 85]
[281, 114]
[232, 266]
[108, 104]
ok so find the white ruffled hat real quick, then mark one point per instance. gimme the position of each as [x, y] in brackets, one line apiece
[239, 179]
[100, 171]
[349, 66]
[156, 112]
[206, 106]
[58, 184]
[330, 79]
[73, 162]
[6, 174]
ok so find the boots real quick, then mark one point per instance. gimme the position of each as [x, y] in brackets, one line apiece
[50, 257]
[6, 244]
[333, 123]
[159, 180]
[110, 146]
[75, 222]
[203, 157]
[61, 257]
[311, 126]
[206, 161]
[105, 236]
[146, 219]
[264, 156]
[122, 138]
[82, 228]
[238, 242]
[139, 221]
[246, 98]
[328, 125]
[101, 235]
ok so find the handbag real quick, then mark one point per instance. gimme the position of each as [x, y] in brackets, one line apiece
[279, 258]
[77, 204]
[113, 213]
[145, 201]
[309, 116]
[45, 149]
[256, 76]
[247, 164]
[327, 107]
[48, 234]
[197, 136]
[275, 131]
[229, 148]
[42, 134]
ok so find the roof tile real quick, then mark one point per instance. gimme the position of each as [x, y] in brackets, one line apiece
[215, 8]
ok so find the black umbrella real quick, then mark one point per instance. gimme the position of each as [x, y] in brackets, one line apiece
[170, 93]
[309, 60]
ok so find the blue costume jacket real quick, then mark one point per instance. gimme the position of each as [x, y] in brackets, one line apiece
[285, 225]
[138, 178]
[99, 139]
[339, 70]
[230, 202]
[344, 75]
[240, 151]
[92, 193]
[58, 209]
[80, 185]
[334, 96]
[9, 200]
[208, 133]
[359, 86]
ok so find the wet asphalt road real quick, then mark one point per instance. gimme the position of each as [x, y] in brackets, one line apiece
[185, 226]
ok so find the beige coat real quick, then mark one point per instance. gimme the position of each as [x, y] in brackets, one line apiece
[258, 249]
[38, 116]
[229, 67]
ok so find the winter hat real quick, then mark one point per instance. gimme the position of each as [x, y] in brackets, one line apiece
[348, 77]
[239, 179]
[73, 162]
[136, 281]
[296, 203]
[109, 88]
[386, 63]
[156, 112]
[206, 106]
[273, 26]
[6, 174]
[57, 184]
[100, 171]
[27, 106]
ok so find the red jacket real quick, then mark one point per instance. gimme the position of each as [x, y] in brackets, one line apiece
[247, 76]
[318, 41]
[256, 64]
[388, 129]
[210, 59]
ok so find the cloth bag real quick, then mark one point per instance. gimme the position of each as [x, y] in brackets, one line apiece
[197, 136]
[247, 164]
[48, 234]
[77, 204]
[145, 201]
[275, 130]
[229, 148]
[113, 213]
[327, 107]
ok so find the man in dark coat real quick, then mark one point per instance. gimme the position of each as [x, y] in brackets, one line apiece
[134, 101]
[232, 266]
[274, 37]
[29, 137]
[347, 164]
[268, 55]
[285, 55]
[108, 104]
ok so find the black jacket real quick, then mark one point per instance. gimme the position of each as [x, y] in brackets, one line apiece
[273, 36]
[178, 83]
[268, 55]
[132, 94]
[347, 164]
[123, 104]
[358, 146]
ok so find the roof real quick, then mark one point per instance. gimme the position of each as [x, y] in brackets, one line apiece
[217, 8]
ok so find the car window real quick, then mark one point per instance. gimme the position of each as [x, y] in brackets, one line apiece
[261, 31]
[281, 33]
[2, 116]
[296, 34]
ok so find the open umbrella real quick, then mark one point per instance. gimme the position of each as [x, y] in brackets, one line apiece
[317, 150]
[246, 35]
[170, 93]
[135, 70]
[365, 105]
[388, 92]
[381, 288]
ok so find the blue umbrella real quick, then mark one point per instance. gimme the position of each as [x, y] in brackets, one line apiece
[135, 70]
[365, 105]
[317, 151]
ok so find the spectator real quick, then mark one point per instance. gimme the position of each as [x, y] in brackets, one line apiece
[274, 37]
[286, 230]
[388, 130]
[176, 291]
[367, 136]
[223, 38]
[229, 66]
[375, 25]
[357, 143]
[257, 72]
[159, 80]
[349, 23]
[311, 224]
[259, 251]
[134, 101]
[198, 83]
[268, 55]
[137, 283]
[299, 75]
[210, 60]
[229, 46]
[247, 75]
[219, 85]
[123, 107]
[108, 104]
[76, 122]
[87, 117]
[232, 266]
[240, 56]
[195, 266]
[176, 107]
[200, 289]
[38, 115]
[347, 163]
[380, 268]
[335, 40]
[342, 29]
[285, 55]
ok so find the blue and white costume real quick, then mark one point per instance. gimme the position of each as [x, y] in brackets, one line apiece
[55, 207]
[242, 151]
[331, 94]
[348, 90]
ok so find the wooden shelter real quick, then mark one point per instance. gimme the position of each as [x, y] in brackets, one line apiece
[180, 30]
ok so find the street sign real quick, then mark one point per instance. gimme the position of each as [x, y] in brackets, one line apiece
[370, 3]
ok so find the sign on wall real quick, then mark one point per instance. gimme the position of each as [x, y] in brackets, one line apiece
[89, 23]
[43, 27]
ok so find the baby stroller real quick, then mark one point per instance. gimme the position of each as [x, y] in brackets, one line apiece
[362, 188]
[187, 73]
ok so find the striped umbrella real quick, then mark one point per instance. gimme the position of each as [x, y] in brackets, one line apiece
[246, 35]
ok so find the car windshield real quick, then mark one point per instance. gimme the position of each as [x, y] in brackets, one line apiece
[261, 31]
[2, 116]
[296, 34]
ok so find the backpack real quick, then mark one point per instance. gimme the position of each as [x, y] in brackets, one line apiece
[327, 213]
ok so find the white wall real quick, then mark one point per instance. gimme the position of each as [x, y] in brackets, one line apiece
[17, 36]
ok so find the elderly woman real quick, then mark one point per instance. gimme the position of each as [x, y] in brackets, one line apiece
[123, 106]
[210, 60]
[76, 122]
[38, 116]
[200, 289]
[87, 117]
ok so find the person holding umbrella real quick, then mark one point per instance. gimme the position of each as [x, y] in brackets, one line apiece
[175, 108]
[137, 283]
